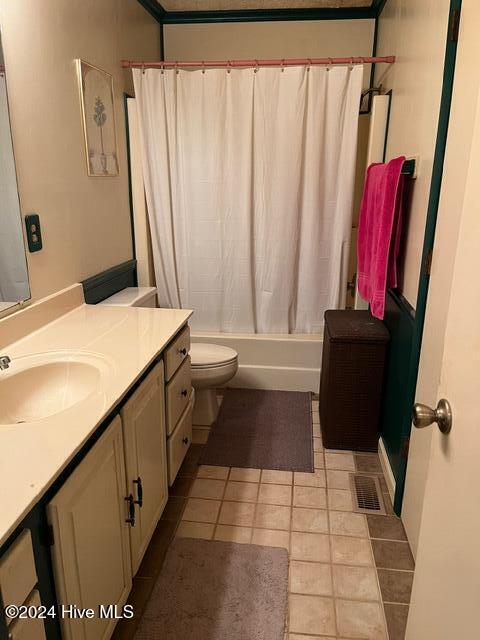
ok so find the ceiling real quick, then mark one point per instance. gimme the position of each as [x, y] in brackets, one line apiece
[256, 5]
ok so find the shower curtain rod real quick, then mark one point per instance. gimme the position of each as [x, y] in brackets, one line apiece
[230, 64]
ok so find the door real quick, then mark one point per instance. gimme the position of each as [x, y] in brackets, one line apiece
[143, 418]
[90, 553]
[446, 587]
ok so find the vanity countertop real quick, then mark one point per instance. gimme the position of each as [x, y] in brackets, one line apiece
[126, 340]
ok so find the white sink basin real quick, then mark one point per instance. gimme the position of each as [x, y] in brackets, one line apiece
[36, 387]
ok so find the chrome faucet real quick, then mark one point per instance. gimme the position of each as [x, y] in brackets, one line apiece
[4, 362]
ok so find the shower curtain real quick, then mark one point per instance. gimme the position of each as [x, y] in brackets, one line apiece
[249, 177]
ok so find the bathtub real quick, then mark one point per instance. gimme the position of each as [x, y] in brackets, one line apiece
[270, 361]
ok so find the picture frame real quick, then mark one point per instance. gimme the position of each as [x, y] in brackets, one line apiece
[97, 100]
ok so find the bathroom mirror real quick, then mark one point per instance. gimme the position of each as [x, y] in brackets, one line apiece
[14, 286]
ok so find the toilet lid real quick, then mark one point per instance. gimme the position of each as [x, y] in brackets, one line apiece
[203, 354]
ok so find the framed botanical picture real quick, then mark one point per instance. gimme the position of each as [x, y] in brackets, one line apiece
[98, 113]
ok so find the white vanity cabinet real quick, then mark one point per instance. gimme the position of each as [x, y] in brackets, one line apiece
[18, 577]
[144, 433]
[179, 401]
[91, 548]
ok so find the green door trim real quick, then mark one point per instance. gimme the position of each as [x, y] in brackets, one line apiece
[430, 226]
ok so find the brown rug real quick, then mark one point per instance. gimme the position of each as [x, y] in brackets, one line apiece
[262, 430]
[209, 590]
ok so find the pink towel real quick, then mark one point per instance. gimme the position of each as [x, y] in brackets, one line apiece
[379, 231]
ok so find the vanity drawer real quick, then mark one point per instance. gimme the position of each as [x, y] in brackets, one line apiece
[18, 575]
[28, 628]
[176, 353]
[178, 394]
[179, 441]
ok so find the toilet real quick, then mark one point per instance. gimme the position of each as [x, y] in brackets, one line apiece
[212, 366]
[133, 297]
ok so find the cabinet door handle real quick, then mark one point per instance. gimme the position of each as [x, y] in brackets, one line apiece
[183, 351]
[131, 510]
[184, 393]
[139, 499]
[185, 440]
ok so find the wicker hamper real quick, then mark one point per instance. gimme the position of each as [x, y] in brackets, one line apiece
[354, 350]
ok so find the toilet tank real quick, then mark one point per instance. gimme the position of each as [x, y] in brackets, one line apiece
[133, 297]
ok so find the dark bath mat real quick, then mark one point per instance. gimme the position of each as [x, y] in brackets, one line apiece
[209, 590]
[262, 430]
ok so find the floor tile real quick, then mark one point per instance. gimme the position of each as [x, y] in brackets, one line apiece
[227, 533]
[343, 523]
[368, 463]
[245, 475]
[318, 460]
[317, 444]
[316, 479]
[275, 494]
[272, 516]
[353, 551]
[311, 614]
[316, 431]
[309, 497]
[312, 578]
[206, 488]
[210, 471]
[343, 461]
[237, 513]
[199, 510]
[396, 586]
[392, 555]
[357, 583]
[310, 520]
[241, 491]
[313, 547]
[271, 538]
[277, 477]
[338, 479]
[188, 529]
[173, 509]
[340, 500]
[360, 620]
[386, 527]
[396, 616]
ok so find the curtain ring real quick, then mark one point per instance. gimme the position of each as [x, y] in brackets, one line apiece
[229, 66]
[309, 63]
[143, 68]
[282, 66]
[176, 67]
[330, 63]
[256, 66]
[203, 66]
[352, 62]
[162, 69]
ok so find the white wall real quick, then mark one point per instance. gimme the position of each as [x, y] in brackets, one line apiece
[85, 221]
[292, 39]
[416, 33]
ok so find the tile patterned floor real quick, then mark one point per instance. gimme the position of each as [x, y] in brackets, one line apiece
[350, 574]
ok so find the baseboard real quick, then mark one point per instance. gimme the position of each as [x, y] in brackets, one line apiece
[387, 469]
[278, 378]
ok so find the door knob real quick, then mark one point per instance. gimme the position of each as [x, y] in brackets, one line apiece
[424, 416]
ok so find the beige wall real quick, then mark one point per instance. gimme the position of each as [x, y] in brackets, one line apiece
[415, 32]
[302, 39]
[85, 221]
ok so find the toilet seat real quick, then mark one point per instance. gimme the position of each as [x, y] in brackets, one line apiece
[211, 356]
